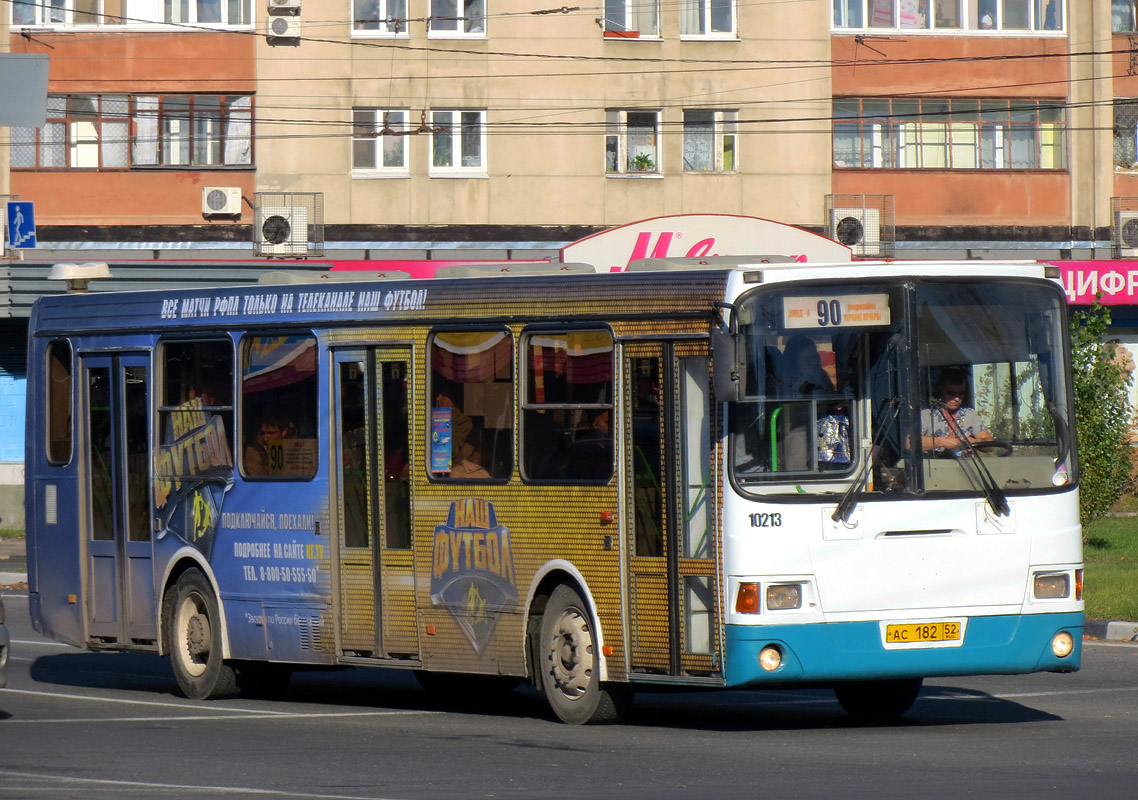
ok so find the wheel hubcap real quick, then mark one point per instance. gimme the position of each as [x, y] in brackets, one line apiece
[572, 654]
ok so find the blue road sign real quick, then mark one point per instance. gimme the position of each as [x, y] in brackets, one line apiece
[21, 224]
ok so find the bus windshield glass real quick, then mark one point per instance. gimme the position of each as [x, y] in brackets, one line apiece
[905, 388]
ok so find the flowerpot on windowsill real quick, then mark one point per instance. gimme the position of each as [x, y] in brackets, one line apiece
[622, 34]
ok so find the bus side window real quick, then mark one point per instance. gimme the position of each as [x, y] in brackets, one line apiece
[196, 392]
[471, 405]
[567, 411]
[279, 407]
[58, 402]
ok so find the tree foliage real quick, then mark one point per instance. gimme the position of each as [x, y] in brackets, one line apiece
[1102, 413]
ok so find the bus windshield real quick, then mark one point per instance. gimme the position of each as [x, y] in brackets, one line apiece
[908, 388]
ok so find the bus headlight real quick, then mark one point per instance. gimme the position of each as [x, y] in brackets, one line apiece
[1051, 586]
[1062, 644]
[783, 596]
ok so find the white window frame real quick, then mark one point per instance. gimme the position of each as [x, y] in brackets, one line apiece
[466, 25]
[396, 120]
[725, 130]
[622, 17]
[700, 13]
[618, 135]
[390, 20]
[135, 14]
[971, 13]
[451, 120]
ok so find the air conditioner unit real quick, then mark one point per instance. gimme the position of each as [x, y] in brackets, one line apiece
[1126, 227]
[282, 231]
[282, 27]
[221, 201]
[276, 6]
[857, 228]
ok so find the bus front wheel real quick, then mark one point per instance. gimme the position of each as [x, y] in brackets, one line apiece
[569, 664]
[193, 625]
[878, 701]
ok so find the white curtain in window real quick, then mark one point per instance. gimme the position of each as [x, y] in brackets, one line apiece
[145, 131]
[689, 16]
[699, 141]
[238, 132]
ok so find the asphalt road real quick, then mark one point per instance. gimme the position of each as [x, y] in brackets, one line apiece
[105, 725]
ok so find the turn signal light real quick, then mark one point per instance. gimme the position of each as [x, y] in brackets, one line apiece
[747, 601]
[1078, 584]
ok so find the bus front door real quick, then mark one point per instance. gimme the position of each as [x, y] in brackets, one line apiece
[673, 609]
[373, 495]
[116, 459]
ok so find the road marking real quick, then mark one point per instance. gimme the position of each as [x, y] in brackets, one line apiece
[47, 643]
[246, 717]
[63, 696]
[182, 787]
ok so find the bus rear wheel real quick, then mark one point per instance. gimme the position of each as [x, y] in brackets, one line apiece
[569, 664]
[193, 628]
[878, 701]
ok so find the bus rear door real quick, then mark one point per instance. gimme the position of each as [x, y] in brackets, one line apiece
[120, 604]
[672, 566]
[373, 488]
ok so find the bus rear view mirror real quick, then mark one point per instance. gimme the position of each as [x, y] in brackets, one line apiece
[728, 364]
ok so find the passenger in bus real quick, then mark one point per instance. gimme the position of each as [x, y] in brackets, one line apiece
[802, 368]
[273, 428]
[466, 458]
[948, 406]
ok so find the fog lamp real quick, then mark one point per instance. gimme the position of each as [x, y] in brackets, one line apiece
[782, 596]
[1061, 645]
[770, 658]
[1049, 586]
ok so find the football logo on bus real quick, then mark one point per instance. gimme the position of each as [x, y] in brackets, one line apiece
[472, 574]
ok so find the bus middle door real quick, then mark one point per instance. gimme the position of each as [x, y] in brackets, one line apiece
[673, 612]
[120, 606]
[373, 495]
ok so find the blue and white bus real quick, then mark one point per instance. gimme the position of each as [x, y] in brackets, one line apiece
[758, 475]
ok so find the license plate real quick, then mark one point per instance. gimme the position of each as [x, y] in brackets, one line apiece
[922, 633]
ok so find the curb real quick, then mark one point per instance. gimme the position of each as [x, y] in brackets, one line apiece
[1117, 631]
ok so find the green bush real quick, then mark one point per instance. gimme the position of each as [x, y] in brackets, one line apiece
[1102, 414]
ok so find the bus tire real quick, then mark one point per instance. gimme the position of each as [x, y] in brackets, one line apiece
[193, 628]
[878, 701]
[569, 661]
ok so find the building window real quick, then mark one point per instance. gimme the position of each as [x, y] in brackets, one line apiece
[121, 132]
[951, 15]
[1126, 134]
[131, 13]
[279, 407]
[1123, 16]
[470, 432]
[949, 134]
[641, 17]
[710, 139]
[458, 18]
[707, 18]
[458, 141]
[379, 139]
[632, 142]
[380, 16]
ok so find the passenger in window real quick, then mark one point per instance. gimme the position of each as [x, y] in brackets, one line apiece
[466, 459]
[949, 413]
[273, 428]
[802, 368]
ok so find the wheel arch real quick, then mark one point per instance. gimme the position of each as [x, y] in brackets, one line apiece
[184, 559]
[551, 575]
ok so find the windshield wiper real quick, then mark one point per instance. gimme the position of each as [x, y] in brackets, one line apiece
[853, 494]
[992, 491]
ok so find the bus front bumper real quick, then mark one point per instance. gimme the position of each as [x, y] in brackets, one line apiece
[839, 651]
